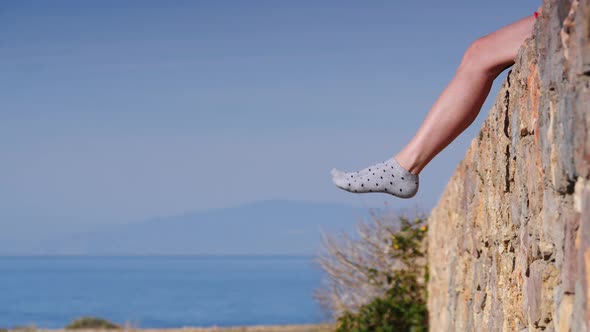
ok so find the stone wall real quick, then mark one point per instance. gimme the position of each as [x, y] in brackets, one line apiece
[509, 241]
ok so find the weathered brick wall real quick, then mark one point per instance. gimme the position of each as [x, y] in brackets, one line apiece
[509, 241]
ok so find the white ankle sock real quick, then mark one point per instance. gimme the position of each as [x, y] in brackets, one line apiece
[386, 177]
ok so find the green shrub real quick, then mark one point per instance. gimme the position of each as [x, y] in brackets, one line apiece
[403, 307]
[92, 323]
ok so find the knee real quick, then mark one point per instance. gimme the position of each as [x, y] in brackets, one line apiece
[479, 57]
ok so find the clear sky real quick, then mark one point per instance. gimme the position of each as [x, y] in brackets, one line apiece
[118, 111]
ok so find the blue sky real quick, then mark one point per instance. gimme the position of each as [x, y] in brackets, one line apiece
[118, 111]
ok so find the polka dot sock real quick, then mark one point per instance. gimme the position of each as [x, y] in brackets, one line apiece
[386, 177]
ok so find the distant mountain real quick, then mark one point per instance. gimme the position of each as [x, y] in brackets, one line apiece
[261, 228]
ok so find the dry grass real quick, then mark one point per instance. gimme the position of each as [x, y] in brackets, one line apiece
[277, 328]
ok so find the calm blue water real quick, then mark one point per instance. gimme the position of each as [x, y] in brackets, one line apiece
[159, 291]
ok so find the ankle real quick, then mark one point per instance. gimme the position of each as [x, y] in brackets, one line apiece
[409, 161]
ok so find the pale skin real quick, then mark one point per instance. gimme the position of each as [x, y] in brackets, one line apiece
[460, 102]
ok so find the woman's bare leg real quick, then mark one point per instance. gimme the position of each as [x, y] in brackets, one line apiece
[460, 102]
[454, 110]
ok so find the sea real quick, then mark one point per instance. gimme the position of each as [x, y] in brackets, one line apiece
[161, 291]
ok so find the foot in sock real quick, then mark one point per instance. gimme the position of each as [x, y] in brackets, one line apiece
[386, 177]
